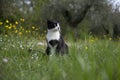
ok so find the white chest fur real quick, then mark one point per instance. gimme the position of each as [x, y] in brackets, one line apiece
[53, 35]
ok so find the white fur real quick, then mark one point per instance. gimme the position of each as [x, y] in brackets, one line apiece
[53, 34]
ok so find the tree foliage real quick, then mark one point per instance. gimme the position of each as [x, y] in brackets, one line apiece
[96, 17]
[100, 16]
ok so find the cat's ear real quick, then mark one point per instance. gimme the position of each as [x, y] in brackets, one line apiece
[48, 21]
[58, 24]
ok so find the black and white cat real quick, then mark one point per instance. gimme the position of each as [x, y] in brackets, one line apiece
[55, 42]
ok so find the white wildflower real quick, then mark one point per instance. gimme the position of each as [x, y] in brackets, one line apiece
[5, 60]
[0, 39]
[40, 44]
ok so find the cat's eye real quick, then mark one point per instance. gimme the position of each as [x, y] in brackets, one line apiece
[55, 24]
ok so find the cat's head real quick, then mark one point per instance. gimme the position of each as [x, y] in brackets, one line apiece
[53, 25]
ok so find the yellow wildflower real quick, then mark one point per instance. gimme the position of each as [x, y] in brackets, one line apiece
[14, 27]
[21, 19]
[1, 23]
[36, 29]
[33, 27]
[9, 27]
[7, 21]
[20, 33]
[6, 26]
[16, 31]
[16, 22]
[26, 31]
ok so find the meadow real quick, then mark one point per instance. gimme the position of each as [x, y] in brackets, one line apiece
[22, 57]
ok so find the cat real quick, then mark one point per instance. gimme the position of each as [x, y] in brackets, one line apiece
[55, 42]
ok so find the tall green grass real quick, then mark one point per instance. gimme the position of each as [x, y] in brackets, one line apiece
[87, 60]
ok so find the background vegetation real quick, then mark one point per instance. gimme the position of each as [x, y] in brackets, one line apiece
[91, 28]
[78, 17]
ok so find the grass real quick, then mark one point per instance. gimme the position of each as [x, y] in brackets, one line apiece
[90, 59]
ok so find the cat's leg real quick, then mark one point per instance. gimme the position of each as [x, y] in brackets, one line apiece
[48, 51]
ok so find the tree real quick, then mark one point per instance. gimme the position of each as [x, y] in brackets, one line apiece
[75, 11]
[8, 10]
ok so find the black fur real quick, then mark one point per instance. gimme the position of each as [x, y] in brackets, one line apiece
[51, 24]
[61, 48]
[60, 45]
